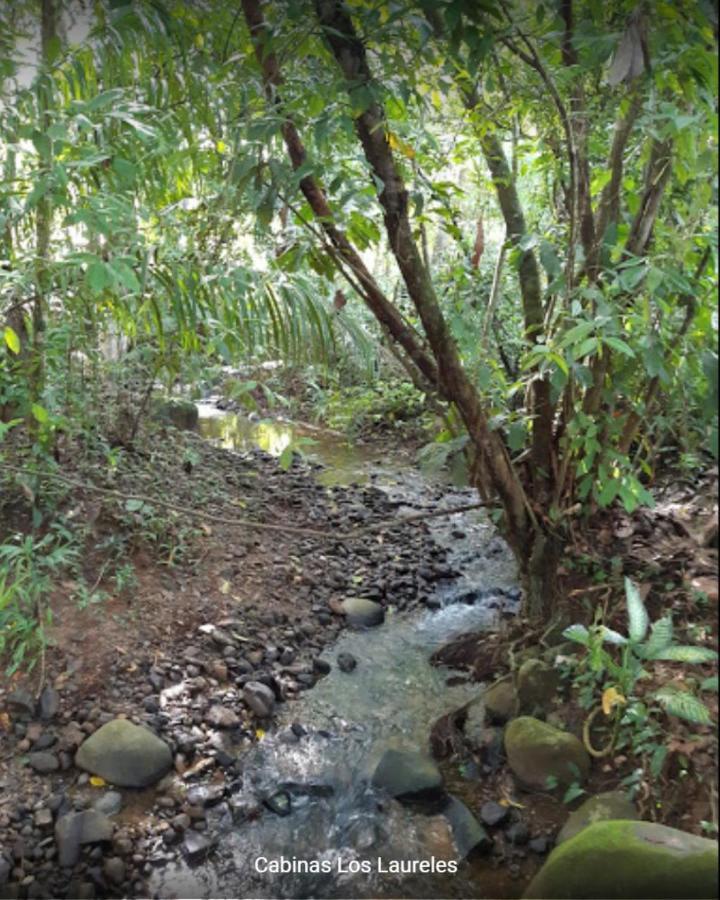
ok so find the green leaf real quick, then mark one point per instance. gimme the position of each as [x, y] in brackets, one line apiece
[637, 614]
[286, 457]
[709, 684]
[577, 633]
[685, 653]
[661, 635]
[12, 340]
[40, 413]
[683, 705]
[134, 505]
[97, 277]
[620, 346]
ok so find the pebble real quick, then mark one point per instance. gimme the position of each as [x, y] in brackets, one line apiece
[114, 870]
[196, 846]
[222, 717]
[346, 662]
[492, 813]
[517, 834]
[43, 762]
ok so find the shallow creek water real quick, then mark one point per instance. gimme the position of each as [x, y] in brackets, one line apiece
[391, 699]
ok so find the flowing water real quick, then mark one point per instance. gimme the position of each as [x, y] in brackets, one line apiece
[338, 827]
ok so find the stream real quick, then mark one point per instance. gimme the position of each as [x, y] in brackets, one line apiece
[324, 746]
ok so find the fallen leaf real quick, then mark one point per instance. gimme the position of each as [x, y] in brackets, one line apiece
[97, 781]
[610, 699]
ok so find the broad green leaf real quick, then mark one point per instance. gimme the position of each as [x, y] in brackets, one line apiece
[661, 635]
[688, 654]
[12, 340]
[637, 614]
[40, 413]
[683, 705]
[577, 633]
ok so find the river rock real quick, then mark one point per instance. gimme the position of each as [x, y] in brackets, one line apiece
[408, 776]
[536, 751]
[75, 829]
[21, 701]
[468, 833]
[346, 662]
[493, 813]
[43, 762]
[260, 698]
[109, 804]
[114, 870]
[49, 703]
[610, 805]
[500, 701]
[222, 717]
[196, 846]
[363, 613]
[474, 724]
[619, 858]
[537, 683]
[125, 754]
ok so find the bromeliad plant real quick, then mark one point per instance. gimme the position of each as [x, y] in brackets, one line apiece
[619, 661]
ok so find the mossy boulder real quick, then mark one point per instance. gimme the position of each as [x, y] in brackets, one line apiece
[537, 683]
[125, 754]
[537, 752]
[610, 805]
[618, 859]
[182, 414]
[501, 702]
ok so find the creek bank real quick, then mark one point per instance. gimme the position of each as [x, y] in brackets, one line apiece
[211, 658]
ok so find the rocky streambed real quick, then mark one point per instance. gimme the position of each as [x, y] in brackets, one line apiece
[279, 742]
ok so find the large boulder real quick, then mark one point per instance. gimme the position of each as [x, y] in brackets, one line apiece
[125, 754]
[363, 613]
[617, 859]
[610, 805]
[537, 752]
[537, 683]
[409, 777]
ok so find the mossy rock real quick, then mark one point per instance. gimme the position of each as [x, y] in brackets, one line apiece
[610, 805]
[182, 414]
[619, 859]
[125, 754]
[501, 702]
[537, 684]
[537, 752]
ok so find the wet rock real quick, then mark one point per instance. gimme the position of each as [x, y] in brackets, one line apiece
[76, 829]
[409, 777]
[5, 870]
[196, 846]
[540, 845]
[260, 698]
[21, 701]
[500, 701]
[222, 717]
[492, 813]
[363, 613]
[114, 870]
[49, 703]
[279, 803]
[43, 762]
[469, 835]
[125, 754]
[321, 666]
[109, 804]
[205, 794]
[517, 834]
[610, 805]
[617, 859]
[537, 684]
[537, 752]
[346, 662]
